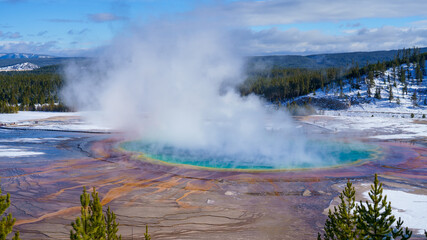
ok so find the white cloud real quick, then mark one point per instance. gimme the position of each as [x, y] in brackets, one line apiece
[294, 41]
[268, 12]
[31, 47]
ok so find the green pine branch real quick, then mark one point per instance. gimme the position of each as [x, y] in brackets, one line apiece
[6, 222]
[370, 220]
[92, 224]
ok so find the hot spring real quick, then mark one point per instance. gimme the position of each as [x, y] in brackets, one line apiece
[319, 154]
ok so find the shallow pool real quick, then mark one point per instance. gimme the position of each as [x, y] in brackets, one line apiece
[318, 154]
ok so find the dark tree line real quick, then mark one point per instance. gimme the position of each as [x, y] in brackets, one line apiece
[32, 90]
[282, 83]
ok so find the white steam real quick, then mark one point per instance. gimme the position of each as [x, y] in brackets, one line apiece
[173, 84]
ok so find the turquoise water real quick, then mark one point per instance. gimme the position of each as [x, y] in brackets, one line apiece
[317, 154]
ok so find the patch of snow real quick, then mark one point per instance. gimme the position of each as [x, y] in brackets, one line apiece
[32, 140]
[32, 115]
[84, 127]
[19, 67]
[6, 151]
[45, 121]
[412, 208]
[379, 127]
[366, 106]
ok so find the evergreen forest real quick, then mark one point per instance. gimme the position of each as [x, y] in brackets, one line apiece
[36, 90]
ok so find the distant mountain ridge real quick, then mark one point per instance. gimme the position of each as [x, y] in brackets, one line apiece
[23, 56]
[41, 62]
[316, 61]
[323, 60]
[26, 66]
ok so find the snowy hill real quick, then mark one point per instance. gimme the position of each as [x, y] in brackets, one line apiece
[389, 96]
[20, 67]
[23, 56]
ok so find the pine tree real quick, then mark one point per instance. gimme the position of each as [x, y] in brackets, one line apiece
[375, 219]
[378, 93]
[146, 235]
[341, 223]
[16, 237]
[402, 75]
[90, 225]
[97, 216]
[365, 221]
[371, 78]
[7, 222]
[405, 89]
[111, 226]
[390, 93]
[423, 64]
[414, 98]
[418, 74]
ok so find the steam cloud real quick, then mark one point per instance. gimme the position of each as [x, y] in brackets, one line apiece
[174, 84]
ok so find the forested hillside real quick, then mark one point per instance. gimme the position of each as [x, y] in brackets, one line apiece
[404, 73]
[31, 90]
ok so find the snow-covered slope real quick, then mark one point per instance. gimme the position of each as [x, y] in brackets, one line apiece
[20, 67]
[401, 104]
[22, 55]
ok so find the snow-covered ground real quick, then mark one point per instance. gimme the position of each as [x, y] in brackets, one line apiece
[32, 115]
[401, 102]
[412, 208]
[33, 140]
[407, 202]
[12, 152]
[65, 121]
[378, 127]
[400, 118]
[58, 121]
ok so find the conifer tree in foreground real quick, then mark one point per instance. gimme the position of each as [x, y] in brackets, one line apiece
[146, 235]
[111, 226]
[92, 224]
[375, 219]
[341, 224]
[7, 222]
[370, 220]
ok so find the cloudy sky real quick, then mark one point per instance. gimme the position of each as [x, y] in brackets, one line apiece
[82, 27]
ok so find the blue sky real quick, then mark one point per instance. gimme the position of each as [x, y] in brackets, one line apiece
[79, 28]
